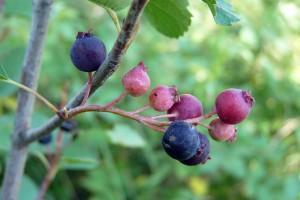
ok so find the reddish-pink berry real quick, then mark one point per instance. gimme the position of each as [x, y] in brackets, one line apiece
[162, 98]
[234, 105]
[136, 82]
[221, 131]
[187, 107]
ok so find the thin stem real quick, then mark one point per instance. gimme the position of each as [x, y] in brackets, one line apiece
[117, 100]
[51, 172]
[156, 128]
[114, 18]
[165, 116]
[32, 91]
[88, 88]
[142, 109]
[210, 114]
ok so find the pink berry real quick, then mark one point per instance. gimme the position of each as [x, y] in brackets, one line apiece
[233, 105]
[136, 82]
[221, 131]
[187, 107]
[162, 98]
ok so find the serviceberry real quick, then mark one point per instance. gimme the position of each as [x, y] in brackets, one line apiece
[68, 126]
[233, 105]
[180, 140]
[136, 82]
[187, 107]
[87, 52]
[221, 131]
[162, 98]
[47, 139]
[202, 154]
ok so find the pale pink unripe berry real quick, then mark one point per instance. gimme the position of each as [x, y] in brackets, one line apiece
[187, 107]
[162, 98]
[233, 105]
[221, 131]
[136, 82]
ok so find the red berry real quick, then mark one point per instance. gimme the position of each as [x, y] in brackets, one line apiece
[162, 98]
[136, 82]
[233, 105]
[187, 107]
[221, 131]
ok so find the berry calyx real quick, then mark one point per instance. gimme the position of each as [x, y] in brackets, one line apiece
[68, 126]
[136, 82]
[222, 132]
[87, 52]
[45, 140]
[202, 154]
[187, 107]
[233, 105]
[162, 98]
[180, 140]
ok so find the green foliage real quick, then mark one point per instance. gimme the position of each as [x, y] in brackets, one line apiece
[132, 138]
[170, 17]
[261, 55]
[222, 12]
[112, 4]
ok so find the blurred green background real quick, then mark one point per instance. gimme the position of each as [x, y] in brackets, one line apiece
[115, 158]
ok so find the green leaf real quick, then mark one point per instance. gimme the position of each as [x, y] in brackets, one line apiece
[16, 7]
[29, 189]
[76, 163]
[170, 17]
[222, 12]
[112, 4]
[126, 136]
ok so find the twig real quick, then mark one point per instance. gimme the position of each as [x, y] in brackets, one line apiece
[88, 88]
[109, 66]
[51, 171]
[30, 73]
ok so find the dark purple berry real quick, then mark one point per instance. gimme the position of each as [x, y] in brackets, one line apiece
[233, 105]
[45, 139]
[202, 154]
[221, 131]
[187, 107]
[68, 125]
[88, 52]
[136, 82]
[180, 140]
[162, 98]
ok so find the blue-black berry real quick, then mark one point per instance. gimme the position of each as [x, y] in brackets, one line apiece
[202, 154]
[46, 139]
[69, 126]
[88, 52]
[181, 140]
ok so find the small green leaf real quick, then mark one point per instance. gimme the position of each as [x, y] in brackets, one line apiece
[170, 17]
[126, 136]
[76, 163]
[112, 4]
[222, 12]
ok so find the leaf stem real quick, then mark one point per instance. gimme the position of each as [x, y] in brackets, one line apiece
[114, 18]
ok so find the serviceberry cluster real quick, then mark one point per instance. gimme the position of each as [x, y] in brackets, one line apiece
[181, 140]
